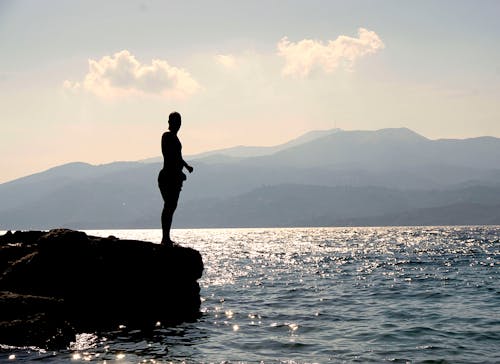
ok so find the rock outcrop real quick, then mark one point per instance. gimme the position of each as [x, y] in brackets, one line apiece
[54, 284]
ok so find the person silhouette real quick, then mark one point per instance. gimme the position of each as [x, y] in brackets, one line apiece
[171, 177]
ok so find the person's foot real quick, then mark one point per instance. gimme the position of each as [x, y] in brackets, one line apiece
[167, 243]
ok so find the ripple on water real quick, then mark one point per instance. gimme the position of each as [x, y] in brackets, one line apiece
[323, 294]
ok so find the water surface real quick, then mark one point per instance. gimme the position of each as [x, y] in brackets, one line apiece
[316, 295]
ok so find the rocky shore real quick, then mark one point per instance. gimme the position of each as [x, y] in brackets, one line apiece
[58, 283]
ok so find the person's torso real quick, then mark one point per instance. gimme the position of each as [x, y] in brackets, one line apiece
[172, 153]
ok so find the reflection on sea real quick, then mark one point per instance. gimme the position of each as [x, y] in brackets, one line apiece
[320, 294]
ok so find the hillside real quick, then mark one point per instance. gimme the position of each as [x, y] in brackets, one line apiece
[322, 178]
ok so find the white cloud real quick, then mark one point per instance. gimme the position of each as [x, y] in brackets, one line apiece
[303, 56]
[226, 60]
[122, 74]
[72, 86]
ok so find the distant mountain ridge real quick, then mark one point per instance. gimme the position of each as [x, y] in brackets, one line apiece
[242, 151]
[391, 147]
[339, 177]
[270, 206]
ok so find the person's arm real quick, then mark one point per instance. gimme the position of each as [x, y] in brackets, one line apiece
[187, 166]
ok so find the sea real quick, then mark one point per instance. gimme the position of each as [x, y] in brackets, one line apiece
[320, 295]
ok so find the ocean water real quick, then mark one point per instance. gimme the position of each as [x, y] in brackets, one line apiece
[321, 295]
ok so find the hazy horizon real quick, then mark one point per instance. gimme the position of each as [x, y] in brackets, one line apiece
[78, 84]
[217, 149]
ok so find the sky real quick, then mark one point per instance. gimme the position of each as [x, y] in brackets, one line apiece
[94, 81]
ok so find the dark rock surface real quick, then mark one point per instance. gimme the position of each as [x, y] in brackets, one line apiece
[54, 284]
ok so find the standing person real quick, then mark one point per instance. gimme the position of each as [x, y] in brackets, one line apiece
[171, 176]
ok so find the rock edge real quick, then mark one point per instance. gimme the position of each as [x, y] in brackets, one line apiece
[57, 283]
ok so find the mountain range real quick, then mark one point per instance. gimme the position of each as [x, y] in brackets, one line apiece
[323, 178]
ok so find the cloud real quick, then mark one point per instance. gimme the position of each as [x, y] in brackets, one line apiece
[72, 86]
[305, 55]
[122, 74]
[226, 60]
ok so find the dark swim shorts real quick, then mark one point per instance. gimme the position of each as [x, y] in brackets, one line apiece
[170, 188]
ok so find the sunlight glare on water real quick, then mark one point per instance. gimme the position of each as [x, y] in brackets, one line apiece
[326, 295]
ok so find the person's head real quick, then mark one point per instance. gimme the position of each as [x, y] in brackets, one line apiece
[174, 121]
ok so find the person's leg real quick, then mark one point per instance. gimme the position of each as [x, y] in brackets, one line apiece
[170, 198]
[166, 223]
